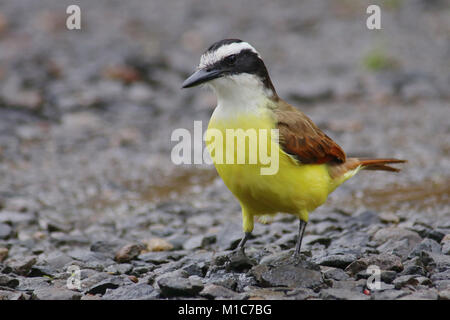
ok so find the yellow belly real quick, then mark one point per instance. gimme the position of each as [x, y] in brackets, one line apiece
[294, 188]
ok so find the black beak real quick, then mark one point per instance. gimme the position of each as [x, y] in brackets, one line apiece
[201, 76]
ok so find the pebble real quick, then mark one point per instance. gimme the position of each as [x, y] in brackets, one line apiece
[342, 294]
[336, 260]
[17, 218]
[22, 266]
[396, 234]
[400, 248]
[387, 294]
[122, 268]
[229, 236]
[428, 245]
[7, 281]
[291, 276]
[445, 247]
[444, 294]
[128, 252]
[384, 262]
[335, 273]
[179, 287]
[193, 243]
[158, 244]
[161, 256]
[405, 280]
[388, 217]
[138, 291]
[54, 293]
[421, 295]
[98, 284]
[213, 291]
[3, 254]
[5, 231]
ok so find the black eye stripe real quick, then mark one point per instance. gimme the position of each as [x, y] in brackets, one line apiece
[230, 59]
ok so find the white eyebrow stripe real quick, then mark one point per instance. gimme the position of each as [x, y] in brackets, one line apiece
[212, 57]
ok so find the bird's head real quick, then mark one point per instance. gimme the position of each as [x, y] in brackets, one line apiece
[230, 65]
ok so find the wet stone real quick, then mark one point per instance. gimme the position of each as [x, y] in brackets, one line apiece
[128, 252]
[160, 257]
[342, 294]
[439, 262]
[54, 293]
[311, 239]
[445, 247]
[334, 273]
[13, 295]
[407, 280]
[158, 244]
[3, 254]
[108, 282]
[421, 295]
[428, 245]
[266, 293]
[106, 247]
[229, 236]
[139, 291]
[364, 219]
[57, 259]
[400, 248]
[239, 262]
[337, 260]
[395, 233]
[62, 239]
[388, 276]
[197, 269]
[384, 262]
[442, 284]
[388, 217]
[40, 271]
[22, 266]
[121, 268]
[5, 231]
[301, 294]
[16, 218]
[387, 294]
[194, 242]
[7, 281]
[213, 291]
[179, 287]
[288, 275]
[444, 294]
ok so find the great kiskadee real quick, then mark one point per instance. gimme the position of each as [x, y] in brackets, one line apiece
[311, 164]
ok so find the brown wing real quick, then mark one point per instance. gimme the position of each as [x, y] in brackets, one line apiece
[300, 137]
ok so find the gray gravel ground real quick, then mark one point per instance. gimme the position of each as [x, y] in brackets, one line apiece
[86, 178]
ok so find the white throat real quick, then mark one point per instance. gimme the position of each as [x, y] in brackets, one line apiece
[238, 94]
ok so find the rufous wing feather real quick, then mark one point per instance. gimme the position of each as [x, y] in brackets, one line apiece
[300, 137]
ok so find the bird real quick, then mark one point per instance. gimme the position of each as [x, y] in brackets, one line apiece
[310, 164]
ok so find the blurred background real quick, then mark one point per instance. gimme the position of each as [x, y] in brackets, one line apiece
[86, 115]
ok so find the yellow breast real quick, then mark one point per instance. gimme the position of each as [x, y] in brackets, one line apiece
[292, 188]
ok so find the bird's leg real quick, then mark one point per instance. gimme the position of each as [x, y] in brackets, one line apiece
[301, 231]
[241, 245]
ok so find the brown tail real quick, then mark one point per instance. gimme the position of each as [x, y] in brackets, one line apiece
[340, 169]
[379, 164]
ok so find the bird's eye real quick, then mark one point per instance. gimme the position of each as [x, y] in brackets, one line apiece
[230, 60]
